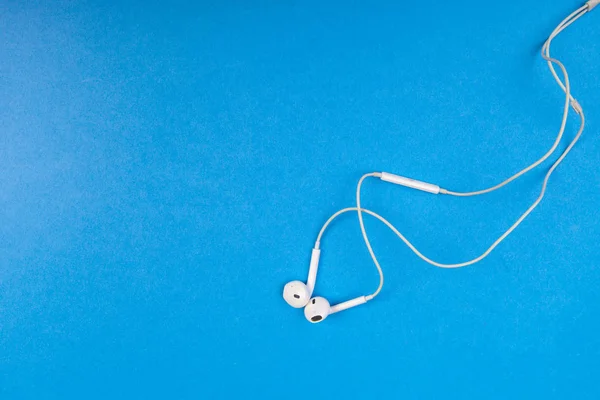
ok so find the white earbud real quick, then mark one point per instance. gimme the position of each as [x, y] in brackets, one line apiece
[296, 293]
[318, 308]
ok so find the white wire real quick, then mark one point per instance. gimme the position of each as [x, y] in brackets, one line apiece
[366, 237]
[569, 101]
[546, 47]
[498, 241]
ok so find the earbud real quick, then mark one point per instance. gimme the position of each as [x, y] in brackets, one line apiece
[296, 293]
[318, 308]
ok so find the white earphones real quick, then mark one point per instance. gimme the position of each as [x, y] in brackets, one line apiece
[316, 309]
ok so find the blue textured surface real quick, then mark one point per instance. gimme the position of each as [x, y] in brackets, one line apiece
[165, 168]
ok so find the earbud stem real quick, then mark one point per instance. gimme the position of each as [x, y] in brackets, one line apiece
[312, 272]
[348, 304]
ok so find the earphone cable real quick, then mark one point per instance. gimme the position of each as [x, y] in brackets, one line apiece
[570, 101]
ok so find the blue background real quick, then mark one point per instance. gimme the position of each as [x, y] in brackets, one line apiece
[165, 168]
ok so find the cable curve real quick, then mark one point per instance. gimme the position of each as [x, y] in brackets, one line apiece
[570, 101]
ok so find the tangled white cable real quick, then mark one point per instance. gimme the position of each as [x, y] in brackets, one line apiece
[298, 294]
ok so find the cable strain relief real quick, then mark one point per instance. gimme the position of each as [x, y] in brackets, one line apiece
[591, 4]
[575, 104]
